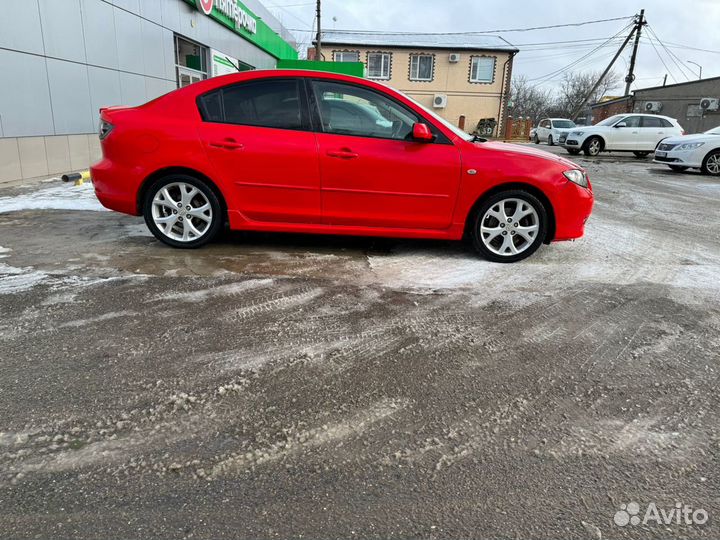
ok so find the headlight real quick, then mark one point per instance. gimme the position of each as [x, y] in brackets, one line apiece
[577, 177]
[105, 129]
[578, 133]
[689, 146]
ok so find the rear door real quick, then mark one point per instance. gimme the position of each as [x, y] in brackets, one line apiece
[653, 131]
[258, 138]
[373, 173]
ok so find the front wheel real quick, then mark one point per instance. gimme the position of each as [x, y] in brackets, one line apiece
[550, 141]
[509, 226]
[536, 139]
[711, 163]
[593, 146]
[641, 155]
[182, 211]
[678, 168]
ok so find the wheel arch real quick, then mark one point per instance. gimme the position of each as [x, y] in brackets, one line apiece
[537, 192]
[167, 171]
[595, 135]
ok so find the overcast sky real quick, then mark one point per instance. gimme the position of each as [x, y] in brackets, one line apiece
[690, 23]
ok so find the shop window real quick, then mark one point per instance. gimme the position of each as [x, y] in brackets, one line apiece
[191, 61]
[271, 103]
[378, 65]
[482, 69]
[422, 67]
[346, 56]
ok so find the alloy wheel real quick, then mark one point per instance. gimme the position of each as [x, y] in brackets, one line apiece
[182, 212]
[509, 227]
[713, 164]
[594, 147]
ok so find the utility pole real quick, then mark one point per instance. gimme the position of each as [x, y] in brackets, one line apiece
[639, 23]
[318, 37]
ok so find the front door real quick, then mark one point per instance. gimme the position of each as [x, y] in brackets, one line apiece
[373, 174]
[626, 136]
[258, 138]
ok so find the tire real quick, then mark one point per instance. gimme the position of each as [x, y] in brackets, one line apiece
[711, 163]
[536, 139]
[190, 228]
[573, 151]
[550, 141]
[593, 146]
[678, 168]
[490, 226]
[641, 155]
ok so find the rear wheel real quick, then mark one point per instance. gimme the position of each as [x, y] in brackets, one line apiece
[678, 168]
[182, 211]
[509, 226]
[641, 155]
[593, 146]
[550, 141]
[711, 163]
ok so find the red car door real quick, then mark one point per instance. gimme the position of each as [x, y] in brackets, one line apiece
[372, 172]
[258, 140]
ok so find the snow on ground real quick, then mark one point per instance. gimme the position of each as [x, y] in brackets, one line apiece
[62, 197]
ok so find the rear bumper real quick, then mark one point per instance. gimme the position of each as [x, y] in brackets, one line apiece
[115, 189]
[573, 205]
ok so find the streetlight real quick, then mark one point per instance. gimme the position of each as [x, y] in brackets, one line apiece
[698, 65]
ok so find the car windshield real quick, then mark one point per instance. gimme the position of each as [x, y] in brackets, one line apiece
[456, 130]
[610, 121]
[714, 131]
[563, 124]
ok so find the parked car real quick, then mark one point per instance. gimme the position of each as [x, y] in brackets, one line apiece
[532, 134]
[549, 130]
[277, 151]
[636, 133]
[701, 151]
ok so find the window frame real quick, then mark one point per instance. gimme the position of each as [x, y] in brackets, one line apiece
[440, 137]
[414, 56]
[346, 51]
[306, 123]
[475, 57]
[383, 54]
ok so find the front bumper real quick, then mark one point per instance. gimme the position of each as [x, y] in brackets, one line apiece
[681, 159]
[573, 205]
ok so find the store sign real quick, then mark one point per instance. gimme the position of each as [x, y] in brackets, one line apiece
[222, 64]
[232, 10]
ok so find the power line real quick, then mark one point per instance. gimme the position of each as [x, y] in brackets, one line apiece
[505, 30]
[661, 59]
[669, 53]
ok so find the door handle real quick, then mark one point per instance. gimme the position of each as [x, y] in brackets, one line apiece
[345, 153]
[228, 144]
[634, 132]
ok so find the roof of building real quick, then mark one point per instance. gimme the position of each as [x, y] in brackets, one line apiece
[418, 41]
[709, 79]
[610, 101]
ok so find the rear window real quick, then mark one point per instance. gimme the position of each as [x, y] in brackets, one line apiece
[271, 103]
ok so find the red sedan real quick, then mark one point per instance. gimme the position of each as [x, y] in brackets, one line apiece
[312, 152]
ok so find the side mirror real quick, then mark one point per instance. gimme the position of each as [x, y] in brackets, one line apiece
[620, 124]
[422, 133]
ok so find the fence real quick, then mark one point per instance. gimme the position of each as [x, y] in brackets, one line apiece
[518, 128]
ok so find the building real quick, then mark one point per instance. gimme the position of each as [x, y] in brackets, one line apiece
[61, 60]
[463, 78]
[683, 101]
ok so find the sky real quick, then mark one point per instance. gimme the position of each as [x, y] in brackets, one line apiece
[678, 24]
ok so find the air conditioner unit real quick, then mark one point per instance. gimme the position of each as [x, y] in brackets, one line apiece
[653, 106]
[709, 104]
[454, 58]
[440, 101]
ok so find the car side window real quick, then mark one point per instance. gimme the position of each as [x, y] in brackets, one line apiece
[351, 110]
[651, 122]
[273, 103]
[666, 123]
[632, 121]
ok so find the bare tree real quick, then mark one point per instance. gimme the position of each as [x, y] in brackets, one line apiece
[575, 87]
[528, 100]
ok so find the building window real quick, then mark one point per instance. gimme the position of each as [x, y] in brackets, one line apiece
[378, 65]
[346, 56]
[422, 67]
[482, 69]
[191, 62]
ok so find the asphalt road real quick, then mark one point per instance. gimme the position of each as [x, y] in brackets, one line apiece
[281, 386]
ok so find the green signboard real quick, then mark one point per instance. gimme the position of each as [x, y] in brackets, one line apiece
[238, 18]
[356, 69]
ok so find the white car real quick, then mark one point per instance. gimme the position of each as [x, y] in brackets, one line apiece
[549, 130]
[701, 151]
[636, 133]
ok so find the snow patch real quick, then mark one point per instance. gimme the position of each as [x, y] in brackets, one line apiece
[54, 198]
[14, 280]
[221, 290]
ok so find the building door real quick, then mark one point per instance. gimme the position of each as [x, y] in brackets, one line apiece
[187, 76]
